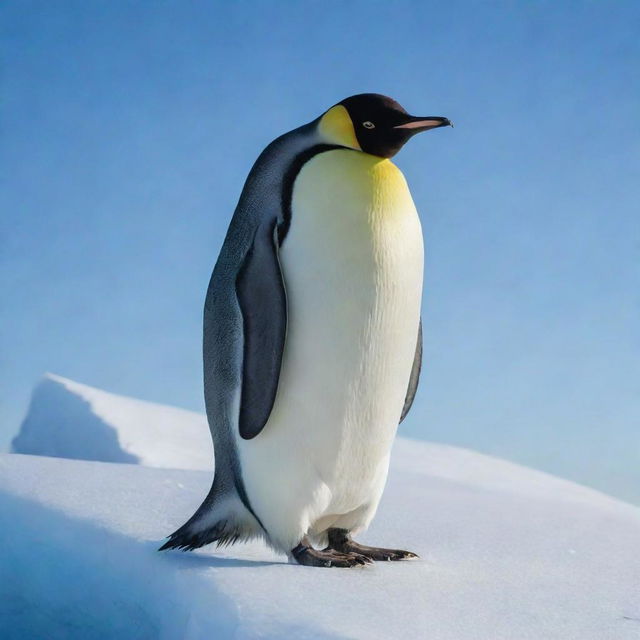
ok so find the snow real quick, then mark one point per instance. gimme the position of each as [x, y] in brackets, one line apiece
[506, 552]
[67, 419]
[540, 559]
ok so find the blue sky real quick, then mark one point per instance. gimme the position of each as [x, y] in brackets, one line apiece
[129, 128]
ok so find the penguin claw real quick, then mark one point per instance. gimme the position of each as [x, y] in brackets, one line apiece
[349, 560]
[387, 555]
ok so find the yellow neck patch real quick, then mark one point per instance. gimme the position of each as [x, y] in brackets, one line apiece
[336, 128]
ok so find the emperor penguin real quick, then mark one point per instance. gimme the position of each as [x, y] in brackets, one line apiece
[312, 338]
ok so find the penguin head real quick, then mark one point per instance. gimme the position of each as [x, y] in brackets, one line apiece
[373, 123]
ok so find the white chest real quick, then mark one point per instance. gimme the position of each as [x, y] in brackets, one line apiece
[352, 264]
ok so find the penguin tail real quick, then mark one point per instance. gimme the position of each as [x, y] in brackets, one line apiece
[222, 519]
[186, 539]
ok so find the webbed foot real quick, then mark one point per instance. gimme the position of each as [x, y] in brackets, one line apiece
[306, 555]
[340, 540]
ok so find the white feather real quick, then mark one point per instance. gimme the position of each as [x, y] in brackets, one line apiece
[352, 264]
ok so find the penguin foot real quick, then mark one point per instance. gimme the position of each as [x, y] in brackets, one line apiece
[340, 540]
[306, 555]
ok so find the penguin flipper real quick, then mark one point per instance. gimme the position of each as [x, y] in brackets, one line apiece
[263, 301]
[415, 376]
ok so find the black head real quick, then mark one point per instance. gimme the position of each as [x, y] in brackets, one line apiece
[381, 126]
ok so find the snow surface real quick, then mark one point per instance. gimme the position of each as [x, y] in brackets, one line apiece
[514, 555]
[67, 419]
[507, 552]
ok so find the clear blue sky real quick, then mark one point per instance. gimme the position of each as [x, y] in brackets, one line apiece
[128, 130]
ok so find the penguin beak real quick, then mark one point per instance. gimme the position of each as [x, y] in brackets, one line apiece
[417, 124]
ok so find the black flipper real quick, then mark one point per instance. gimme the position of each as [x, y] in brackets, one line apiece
[263, 302]
[415, 376]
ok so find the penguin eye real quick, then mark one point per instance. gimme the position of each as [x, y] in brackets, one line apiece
[368, 124]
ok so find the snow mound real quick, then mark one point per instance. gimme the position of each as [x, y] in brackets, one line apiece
[67, 419]
[507, 553]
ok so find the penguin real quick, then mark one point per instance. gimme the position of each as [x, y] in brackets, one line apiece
[312, 338]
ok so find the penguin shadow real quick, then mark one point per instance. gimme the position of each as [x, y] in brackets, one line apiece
[193, 560]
